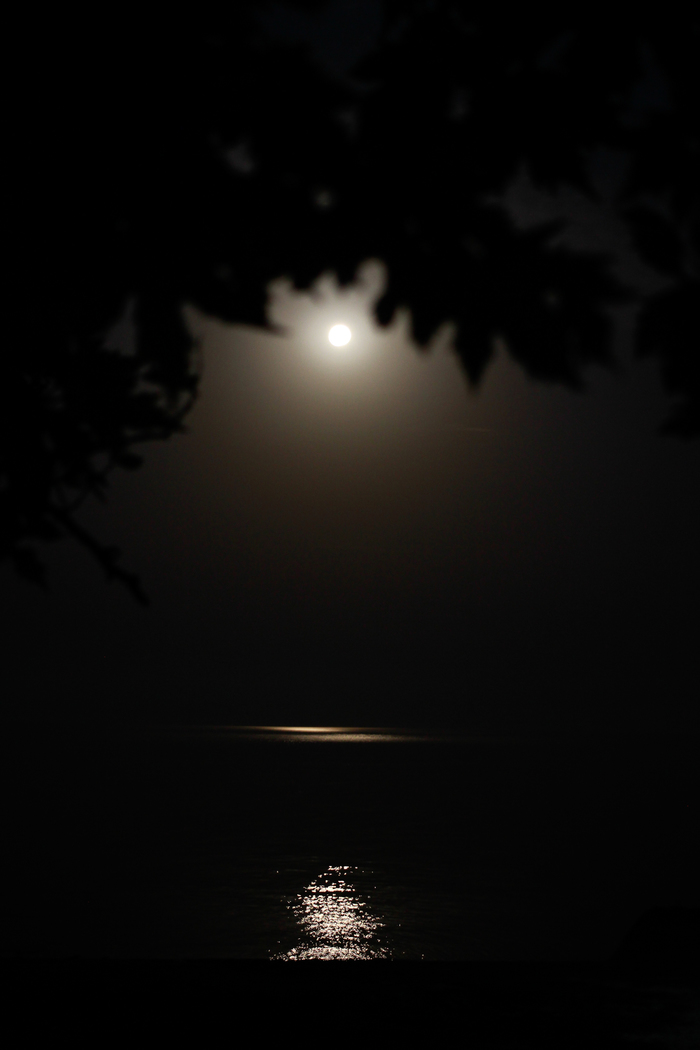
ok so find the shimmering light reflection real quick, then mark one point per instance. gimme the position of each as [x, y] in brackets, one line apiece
[334, 734]
[335, 921]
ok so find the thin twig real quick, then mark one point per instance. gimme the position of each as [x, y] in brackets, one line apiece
[106, 556]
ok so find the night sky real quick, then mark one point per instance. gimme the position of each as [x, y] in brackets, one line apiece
[349, 536]
[353, 537]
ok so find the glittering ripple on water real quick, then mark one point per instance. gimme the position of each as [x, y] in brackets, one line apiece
[334, 920]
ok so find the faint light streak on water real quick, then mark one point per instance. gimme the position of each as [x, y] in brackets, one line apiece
[333, 734]
[335, 921]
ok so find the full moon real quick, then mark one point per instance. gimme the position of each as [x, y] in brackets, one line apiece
[339, 335]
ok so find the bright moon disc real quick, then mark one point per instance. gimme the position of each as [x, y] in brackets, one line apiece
[339, 335]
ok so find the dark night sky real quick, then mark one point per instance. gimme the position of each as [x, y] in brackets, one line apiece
[351, 537]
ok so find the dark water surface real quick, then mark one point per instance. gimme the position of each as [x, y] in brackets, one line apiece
[223, 843]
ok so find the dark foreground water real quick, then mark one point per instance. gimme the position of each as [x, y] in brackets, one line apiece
[466, 889]
[244, 844]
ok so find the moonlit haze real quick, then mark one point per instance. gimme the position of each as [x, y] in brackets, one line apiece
[356, 538]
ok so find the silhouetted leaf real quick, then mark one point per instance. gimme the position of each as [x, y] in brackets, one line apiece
[656, 239]
[669, 328]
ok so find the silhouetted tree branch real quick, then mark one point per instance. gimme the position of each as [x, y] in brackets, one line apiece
[191, 162]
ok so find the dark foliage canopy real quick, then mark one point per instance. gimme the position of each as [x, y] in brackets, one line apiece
[192, 162]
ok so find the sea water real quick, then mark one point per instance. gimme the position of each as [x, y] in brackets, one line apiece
[314, 843]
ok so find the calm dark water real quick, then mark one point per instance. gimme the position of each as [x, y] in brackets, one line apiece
[240, 844]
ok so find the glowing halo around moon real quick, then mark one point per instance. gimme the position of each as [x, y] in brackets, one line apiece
[339, 335]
